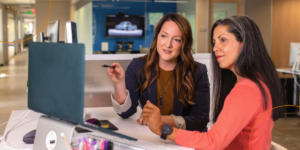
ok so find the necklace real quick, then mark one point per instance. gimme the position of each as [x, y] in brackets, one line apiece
[160, 95]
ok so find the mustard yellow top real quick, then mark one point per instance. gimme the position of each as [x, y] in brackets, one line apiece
[165, 77]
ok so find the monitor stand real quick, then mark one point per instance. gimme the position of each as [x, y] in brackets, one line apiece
[296, 64]
[48, 134]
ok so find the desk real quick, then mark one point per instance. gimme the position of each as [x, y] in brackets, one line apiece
[117, 52]
[126, 126]
[296, 87]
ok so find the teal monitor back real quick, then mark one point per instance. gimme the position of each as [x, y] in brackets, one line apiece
[56, 80]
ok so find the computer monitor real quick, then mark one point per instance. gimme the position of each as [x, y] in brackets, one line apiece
[71, 32]
[294, 52]
[42, 38]
[53, 32]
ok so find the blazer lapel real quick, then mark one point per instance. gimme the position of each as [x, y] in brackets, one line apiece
[152, 93]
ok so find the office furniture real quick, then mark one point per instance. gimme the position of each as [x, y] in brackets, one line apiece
[26, 43]
[296, 87]
[126, 126]
[117, 52]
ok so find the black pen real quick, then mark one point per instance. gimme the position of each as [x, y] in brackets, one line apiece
[113, 67]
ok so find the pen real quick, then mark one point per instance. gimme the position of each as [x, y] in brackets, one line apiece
[102, 144]
[84, 144]
[66, 141]
[106, 145]
[80, 144]
[110, 145]
[95, 145]
[88, 145]
[113, 67]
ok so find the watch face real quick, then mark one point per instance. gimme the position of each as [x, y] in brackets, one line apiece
[166, 129]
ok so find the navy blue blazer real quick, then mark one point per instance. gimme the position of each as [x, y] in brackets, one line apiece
[196, 116]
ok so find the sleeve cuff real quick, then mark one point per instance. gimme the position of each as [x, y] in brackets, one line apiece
[121, 108]
[179, 122]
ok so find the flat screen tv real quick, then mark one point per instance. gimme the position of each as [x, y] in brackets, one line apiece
[125, 26]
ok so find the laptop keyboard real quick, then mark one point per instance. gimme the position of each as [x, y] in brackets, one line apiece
[127, 144]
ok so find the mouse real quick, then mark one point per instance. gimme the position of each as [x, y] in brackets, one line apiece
[29, 137]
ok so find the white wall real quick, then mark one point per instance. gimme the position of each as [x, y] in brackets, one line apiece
[83, 19]
[11, 28]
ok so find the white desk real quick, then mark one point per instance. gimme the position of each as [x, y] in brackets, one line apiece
[296, 87]
[126, 126]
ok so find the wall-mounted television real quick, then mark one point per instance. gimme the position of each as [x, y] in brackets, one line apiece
[125, 26]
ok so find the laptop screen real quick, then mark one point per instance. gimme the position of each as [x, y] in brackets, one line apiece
[56, 80]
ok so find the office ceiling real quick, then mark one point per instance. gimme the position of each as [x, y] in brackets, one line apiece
[9, 2]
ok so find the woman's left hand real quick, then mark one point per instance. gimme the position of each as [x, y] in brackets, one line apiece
[151, 116]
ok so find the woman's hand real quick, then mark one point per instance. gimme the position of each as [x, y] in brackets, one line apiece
[168, 120]
[151, 116]
[140, 121]
[117, 75]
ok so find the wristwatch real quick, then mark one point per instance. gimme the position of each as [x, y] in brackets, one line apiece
[165, 131]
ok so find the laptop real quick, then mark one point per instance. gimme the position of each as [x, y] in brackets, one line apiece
[56, 80]
[56, 73]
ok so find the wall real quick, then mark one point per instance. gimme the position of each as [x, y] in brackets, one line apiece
[239, 10]
[4, 47]
[188, 10]
[1, 38]
[101, 9]
[11, 28]
[230, 8]
[202, 25]
[260, 11]
[11, 35]
[285, 29]
[84, 22]
[60, 10]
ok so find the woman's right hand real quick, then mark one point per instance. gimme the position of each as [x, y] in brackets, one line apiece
[117, 75]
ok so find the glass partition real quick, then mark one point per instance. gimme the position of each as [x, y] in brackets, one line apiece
[108, 31]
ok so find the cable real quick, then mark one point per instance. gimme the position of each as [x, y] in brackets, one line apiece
[286, 101]
[14, 118]
[4, 138]
[296, 80]
[1, 137]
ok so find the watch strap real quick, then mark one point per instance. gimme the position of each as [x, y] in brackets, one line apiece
[163, 136]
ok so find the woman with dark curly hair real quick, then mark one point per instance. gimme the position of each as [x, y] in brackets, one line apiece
[245, 87]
